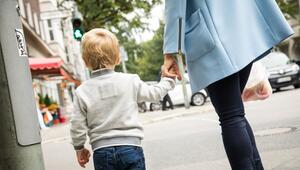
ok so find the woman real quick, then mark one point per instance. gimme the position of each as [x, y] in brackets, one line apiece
[220, 40]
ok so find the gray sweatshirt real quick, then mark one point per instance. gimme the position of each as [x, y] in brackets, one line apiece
[105, 108]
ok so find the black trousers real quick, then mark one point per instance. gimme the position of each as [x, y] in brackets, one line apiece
[166, 99]
[237, 134]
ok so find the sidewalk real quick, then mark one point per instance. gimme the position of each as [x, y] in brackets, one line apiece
[151, 117]
[60, 132]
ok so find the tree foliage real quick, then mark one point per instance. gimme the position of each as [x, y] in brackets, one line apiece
[123, 17]
[152, 56]
[290, 8]
[120, 16]
[146, 58]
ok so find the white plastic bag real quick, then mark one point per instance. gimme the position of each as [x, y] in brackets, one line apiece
[258, 86]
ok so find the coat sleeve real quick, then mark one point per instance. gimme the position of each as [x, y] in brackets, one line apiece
[174, 11]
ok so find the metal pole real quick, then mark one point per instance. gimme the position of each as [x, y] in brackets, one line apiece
[20, 146]
[124, 66]
[124, 58]
[181, 67]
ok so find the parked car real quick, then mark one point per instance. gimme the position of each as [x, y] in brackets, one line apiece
[177, 97]
[297, 62]
[282, 72]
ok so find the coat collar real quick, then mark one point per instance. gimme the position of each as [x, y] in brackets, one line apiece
[101, 72]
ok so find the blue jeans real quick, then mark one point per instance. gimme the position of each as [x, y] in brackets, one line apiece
[238, 138]
[119, 158]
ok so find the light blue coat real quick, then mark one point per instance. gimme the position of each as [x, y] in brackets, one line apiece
[220, 37]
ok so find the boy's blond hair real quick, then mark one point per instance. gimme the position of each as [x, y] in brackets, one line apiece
[100, 49]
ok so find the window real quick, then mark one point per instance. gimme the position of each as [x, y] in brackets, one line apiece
[49, 23]
[51, 35]
[29, 14]
[50, 28]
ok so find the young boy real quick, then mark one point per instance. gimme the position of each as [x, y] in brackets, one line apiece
[106, 109]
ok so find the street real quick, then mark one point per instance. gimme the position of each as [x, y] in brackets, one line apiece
[59, 56]
[192, 140]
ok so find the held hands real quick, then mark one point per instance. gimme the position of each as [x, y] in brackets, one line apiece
[170, 68]
[83, 156]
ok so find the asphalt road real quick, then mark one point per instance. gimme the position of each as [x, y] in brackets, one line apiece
[194, 142]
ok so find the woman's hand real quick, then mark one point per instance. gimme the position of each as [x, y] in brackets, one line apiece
[170, 64]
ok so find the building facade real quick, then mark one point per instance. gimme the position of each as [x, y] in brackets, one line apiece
[54, 55]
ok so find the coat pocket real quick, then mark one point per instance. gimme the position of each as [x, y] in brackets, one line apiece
[198, 39]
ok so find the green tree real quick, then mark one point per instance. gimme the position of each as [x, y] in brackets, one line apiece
[123, 17]
[151, 56]
[290, 8]
[146, 58]
[133, 50]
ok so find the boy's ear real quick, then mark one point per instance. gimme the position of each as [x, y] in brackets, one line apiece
[119, 60]
[89, 67]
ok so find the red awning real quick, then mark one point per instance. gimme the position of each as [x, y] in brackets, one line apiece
[50, 67]
[45, 63]
[68, 77]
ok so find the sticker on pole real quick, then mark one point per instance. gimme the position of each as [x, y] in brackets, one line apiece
[21, 43]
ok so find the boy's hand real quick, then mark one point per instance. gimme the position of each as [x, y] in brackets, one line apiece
[83, 156]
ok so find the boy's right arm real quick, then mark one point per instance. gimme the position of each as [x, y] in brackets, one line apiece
[78, 124]
[83, 157]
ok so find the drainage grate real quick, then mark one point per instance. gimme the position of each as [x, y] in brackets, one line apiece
[274, 131]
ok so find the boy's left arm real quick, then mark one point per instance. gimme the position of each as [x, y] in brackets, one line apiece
[153, 93]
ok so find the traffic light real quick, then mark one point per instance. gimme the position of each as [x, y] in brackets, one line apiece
[77, 28]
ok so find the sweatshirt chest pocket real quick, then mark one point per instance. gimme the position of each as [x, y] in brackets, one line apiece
[198, 39]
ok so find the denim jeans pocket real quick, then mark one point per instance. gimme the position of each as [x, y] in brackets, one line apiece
[132, 157]
[100, 160]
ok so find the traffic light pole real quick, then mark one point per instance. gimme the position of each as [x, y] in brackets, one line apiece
[18, 149]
